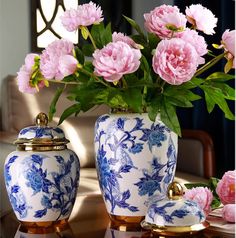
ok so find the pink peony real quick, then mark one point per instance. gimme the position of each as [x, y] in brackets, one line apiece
[197, 41]
[25, 73]
[51, 63]
[67, 64]
[226, 188]
[228, 42]
[175, 60]
[163, 20]
[115, 60]
[121, 37]
[202, 196]
[201, 18]
[85, 15]
[228, 212]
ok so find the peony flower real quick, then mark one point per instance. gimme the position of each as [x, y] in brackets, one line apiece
[175, 60]
[52, 63]
[228, 212]
[24, 76]
[115, 60]
[122, 37]
[197, 41]
[165, 20]
[202, 196]
[67, 65]
[228, 43]
[226, 188]
[85, 15]
[201, 18]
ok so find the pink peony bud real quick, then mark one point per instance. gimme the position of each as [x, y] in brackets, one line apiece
[24, 76]
[121, 37]
[202, 196]
[164, 21]
[175, 60]
[226, 188]
[201, 18]
[67, 65]
[228, 212]
[53, 55]
[228, 42]
[115, 60]
[197, 41]
[85, 15]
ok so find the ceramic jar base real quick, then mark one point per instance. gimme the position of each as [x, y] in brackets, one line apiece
[126, 223]
[44, 227]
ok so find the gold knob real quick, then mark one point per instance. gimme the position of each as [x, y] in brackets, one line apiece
[175, 191]
[41, 119]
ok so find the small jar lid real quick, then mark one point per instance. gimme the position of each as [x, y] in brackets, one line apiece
[41, 135]
[174, 214]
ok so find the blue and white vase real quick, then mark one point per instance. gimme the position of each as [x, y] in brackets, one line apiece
[42, 175]
[135, 159]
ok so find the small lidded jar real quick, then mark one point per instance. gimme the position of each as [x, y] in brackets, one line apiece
[174, 215]
[42, 175]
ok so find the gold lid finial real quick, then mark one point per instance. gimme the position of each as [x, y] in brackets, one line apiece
[175, 191]
[41, 119]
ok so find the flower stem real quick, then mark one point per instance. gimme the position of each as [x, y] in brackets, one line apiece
[94, 76]
[209, 64]
[62, 82]
[91, 38]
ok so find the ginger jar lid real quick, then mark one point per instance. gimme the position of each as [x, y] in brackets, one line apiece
[41, 136]
[174, 214]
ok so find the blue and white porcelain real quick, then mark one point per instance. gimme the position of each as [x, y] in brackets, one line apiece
[135, 159]
[42, 175]
[174, 214]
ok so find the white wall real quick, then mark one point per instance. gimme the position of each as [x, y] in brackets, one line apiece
[144, 6]
[14, 35]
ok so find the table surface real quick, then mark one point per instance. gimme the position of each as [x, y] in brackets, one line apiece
[89, 219]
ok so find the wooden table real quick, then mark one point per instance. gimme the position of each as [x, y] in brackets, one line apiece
[89, 219]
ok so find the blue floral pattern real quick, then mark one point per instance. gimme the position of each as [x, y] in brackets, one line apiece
[55, 188]
[121, 145]
[16, 196]
[169, 215]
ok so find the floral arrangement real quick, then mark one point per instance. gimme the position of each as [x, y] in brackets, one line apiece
[214, 194]
[154, 71]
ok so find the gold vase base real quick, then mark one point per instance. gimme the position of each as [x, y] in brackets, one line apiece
[126, 223]
[44, 227]
[175, 231]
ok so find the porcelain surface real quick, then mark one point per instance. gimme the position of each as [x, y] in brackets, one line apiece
[135, 159]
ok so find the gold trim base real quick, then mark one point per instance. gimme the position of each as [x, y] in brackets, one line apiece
[126, 223]
[44, 227]
[174, 230]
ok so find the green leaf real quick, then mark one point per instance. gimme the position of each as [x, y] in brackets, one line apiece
[180, 101]
[215, 203]
[135, 26]
[227, 91]
[133, 97]
[213, 183]
[106, 35]
[154, 108]
[209, 103]
[195, 185]
[220, 76]
[177, 92]
[153, 40]
[52, 109]
[88, 49]
[193, 83]
[75, 108]
[79, 55]
[215, 96]
[169, 117]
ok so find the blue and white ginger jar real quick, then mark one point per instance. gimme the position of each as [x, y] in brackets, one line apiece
[135, 159]
[42, 175]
